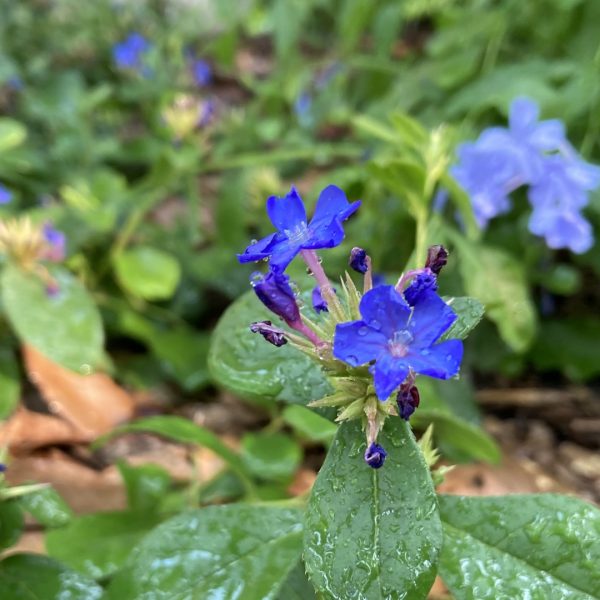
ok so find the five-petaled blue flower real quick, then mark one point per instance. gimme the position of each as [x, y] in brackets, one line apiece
[294, 233]
[128, 53]
[399, 338]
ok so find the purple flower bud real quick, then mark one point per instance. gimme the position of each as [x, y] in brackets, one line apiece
[5, 195]
[375, 455]
[271, 334]
[407, 399]
[437, 257]
[358, 260]
[274, 291]
[56, 241]
[424, 282]
[318, 302]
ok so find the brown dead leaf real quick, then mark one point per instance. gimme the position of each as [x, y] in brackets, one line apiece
[303, 481]
[27, 430]
[93, 403]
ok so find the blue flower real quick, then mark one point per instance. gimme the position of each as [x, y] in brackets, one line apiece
[201, 72]
[399, 339]
[375, 455]
[128, 53]
[294, 233]
[274, 291]
[318, 302]
[56, 241]
[5, 195]
[423, 283]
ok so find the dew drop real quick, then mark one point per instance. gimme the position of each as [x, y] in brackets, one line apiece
[375, 324]
[85, 369]
[362, 331]
[425, 352]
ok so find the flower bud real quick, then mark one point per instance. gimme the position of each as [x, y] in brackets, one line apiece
[375, 455]
[424, 282]
[407, 399]
[318, 302]
[437, 257]
[358, 260]
[270, 333]
[274, 291]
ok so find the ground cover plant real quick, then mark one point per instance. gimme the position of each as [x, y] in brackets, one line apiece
[294, 240]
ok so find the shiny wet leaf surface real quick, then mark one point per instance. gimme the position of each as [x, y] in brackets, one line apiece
[230, 552]
[535, 547]
[373, 534]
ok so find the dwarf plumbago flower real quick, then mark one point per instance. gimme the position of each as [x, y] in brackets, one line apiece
[534, 153]
[201, 72]
[399, 338]
[375, 455]
[358, 260]
[271, 334]
[437, 258]
[129, 53]
[407, 400]
[5, 195]
[294, 234]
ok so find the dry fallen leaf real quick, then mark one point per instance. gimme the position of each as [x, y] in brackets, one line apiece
[93, 403]
[27, 430]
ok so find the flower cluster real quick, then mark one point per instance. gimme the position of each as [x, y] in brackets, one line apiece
[373, 343]
[537, 154]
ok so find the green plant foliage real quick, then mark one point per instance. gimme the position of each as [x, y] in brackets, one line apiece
[309, 424]
[147, 272]
[542, 546]
[222, 550]
[37, 577]
[245, 363]
[11, 523]
[469, 312]
[65, 328]
[297, 586]
[146, 486]
[114, 534]
[10, 383]
[373, 533]
[47, 507]
[271, 456]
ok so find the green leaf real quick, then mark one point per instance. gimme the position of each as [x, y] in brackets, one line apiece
[410, 131]
[65, 328]
[146, 485]
[11, 523]
[36, 577]
[373, 533]
[147, 272]
[249, 366]
[98, 544]
[499, 281]
[309, 424]
[182, 430]
[10, 380]
[235, 551]
[47, 507]
[271, 456]
[465, 437]
[297, 586]
[469, 312]
[537, 546]
[12, 134]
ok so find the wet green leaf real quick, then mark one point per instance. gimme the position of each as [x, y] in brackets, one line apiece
[469, 312]
[373, 533]
[271, 456]
[36, 577]
[10, 380]
[12, 134]
[147, 272]
[98, 544]
[537, 546]
[248, 365]
[147, 485]
[47, 507]
[235, 551]
[11, 523]
[65, 328]
[297, 586]
[309, 424]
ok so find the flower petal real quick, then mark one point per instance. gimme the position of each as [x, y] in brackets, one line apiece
[431, 318]
[384, 309]
[332, 204]
[441, 361]
[287, 213]
[548, 135]
[524, 113]
[356, 343]
[258, 250]
[388, 373]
